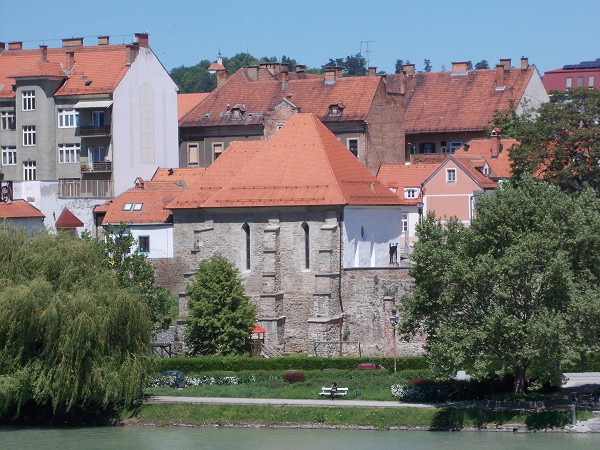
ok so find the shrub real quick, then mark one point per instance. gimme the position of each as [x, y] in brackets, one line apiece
[294, 377]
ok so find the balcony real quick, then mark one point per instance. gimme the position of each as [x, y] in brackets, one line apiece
[85, 188]
[97, 167]
[90, 131]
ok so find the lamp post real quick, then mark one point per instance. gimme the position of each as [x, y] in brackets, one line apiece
[394, 322]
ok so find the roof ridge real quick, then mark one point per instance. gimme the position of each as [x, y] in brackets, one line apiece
[327, 157]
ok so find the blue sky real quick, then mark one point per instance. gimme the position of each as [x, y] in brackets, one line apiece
[550, 33]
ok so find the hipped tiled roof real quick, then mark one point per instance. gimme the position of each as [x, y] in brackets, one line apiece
[302, 165]
[19, 209]
[499, 165]
[446, 102]
[310, 95]
[400, 177]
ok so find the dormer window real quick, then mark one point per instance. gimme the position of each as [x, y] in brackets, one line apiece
[336, 109]
[238, 111]
[411, 193]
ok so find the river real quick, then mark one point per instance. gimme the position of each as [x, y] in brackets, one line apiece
[140, 437]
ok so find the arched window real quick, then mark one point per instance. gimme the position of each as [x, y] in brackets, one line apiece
[306, 245]
[246, 230]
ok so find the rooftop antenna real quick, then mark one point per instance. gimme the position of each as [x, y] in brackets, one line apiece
[367, 51]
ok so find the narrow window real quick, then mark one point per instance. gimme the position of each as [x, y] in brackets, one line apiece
[29, 171]
[28, 98]
[144, 244]
[591, 81]
[246, 229]
[306, 245]
[569, 82]
[579, 82]
[98, 118]
[450, 175]
[29, 135]
[8, 120]
[353, 146]
[217, 150]
[193, 154]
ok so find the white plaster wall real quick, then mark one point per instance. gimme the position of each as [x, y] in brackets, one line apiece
[382, 226]
[133, 154]
[161, 239]
[535, 94]
[44, 196]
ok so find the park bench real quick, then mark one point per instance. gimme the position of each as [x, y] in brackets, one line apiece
[327, 391]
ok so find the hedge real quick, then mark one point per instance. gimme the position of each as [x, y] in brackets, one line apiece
[201, 364]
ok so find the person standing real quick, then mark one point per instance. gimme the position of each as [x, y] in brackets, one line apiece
[333, 389]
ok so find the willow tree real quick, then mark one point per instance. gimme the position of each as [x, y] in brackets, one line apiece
[70, 335]
[516, 292]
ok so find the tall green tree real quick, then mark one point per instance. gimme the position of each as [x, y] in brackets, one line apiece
[483, 64]
[561, 141]
[70, 334]
[133, 270]
[399, 66]
[516, 292]
[427, 64]
[221, 317]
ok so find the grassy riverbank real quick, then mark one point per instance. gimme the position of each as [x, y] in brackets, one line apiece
[380, 418]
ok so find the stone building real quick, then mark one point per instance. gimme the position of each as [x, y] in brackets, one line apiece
[313, 233]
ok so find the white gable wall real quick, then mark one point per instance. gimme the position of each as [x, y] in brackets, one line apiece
[145, 133]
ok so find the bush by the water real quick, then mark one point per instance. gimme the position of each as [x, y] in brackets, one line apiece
[422, 390]
[294, 377]
[201, 364]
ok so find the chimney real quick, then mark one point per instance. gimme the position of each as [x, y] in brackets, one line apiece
[253, 73]
[284, 67]
[524, 63]
[496, 137]
[372, 71]
[72, 42]
[499, 77]
[132, 52]
[141, 39]
[402, 83]
[268, 66]
[339, 72]
[43, 53]
[300, 68]
[284, 78]
[505, 63]
[2, 47]
[408, 69]
[329, 75]
[221, 77]
[70, 59]
[103, 40]
[460, 67]
[15, 45]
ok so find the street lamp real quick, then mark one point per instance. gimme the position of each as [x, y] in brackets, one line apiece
[394, 322]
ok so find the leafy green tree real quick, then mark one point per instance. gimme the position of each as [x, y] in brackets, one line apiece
[134, 270]
[516, 292]
[221, 317]
[399, 66]
[427, 64]
[469, 65]
[561, 141]
[70, 334]
[483, 64]
[194, 79]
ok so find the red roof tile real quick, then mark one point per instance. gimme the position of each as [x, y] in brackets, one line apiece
[500, 165]
[471, 164]
[68, 220]
[400, 177]
[187, 175]
[439, 101]
[185, 102]
[311, 95]
[303, 164]
[19, 209]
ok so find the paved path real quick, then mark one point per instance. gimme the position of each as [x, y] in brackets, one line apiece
[338, 403]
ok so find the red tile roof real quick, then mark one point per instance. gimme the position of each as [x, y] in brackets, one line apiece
[311, 95]
[102, 67]
[68, 220]
[500, 165]
[442, 102]
[19, 209]
[185, 102]
[302, 165]
[187, 175]
[400, 177]
[471, 165]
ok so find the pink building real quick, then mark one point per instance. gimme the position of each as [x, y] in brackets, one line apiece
[584, 74]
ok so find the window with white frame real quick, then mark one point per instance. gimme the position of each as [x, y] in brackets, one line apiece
[411, 193]
[28, 100]
[8, 120]
[450, 175]
[28, 135]
[591, 81]
[69, 153]
[97, 154]
[98, 118]
[352, 144]
[217, 148]
[569, 82]
[144, 244]
[29, 171]
[9, 156]
[404, 223]
[193, 154]
[68, 118]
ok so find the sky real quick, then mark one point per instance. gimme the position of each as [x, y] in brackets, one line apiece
[550, 33]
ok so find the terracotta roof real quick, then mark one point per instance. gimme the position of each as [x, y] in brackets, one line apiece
[471, 165]
[97, 69]
[303, 164]
[187, 175]
[442, 102]
[152, 198]
[185, 102]
[500, 165]
[311, 95]
[19, 209]
[216, 66]
[68, 220]
[402, 177]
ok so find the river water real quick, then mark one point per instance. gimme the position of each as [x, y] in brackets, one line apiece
[140, 437]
